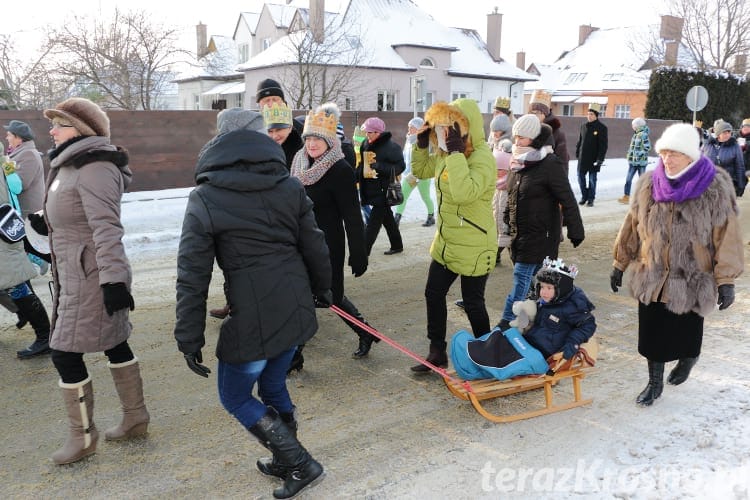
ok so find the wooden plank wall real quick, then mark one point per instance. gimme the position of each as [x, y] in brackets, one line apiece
[164, 145]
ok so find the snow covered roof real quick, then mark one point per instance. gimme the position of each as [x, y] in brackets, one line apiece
[218, 63]
[383, 25]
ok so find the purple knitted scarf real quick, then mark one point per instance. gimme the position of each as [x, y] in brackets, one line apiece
[688, 186]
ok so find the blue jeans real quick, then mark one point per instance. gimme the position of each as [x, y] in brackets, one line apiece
[632, 169]
[236, 383]
[587, 193]
[522, 276]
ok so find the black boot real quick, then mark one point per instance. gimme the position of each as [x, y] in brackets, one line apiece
[503, 325]
[655, 384]
[365, 339]
[33, 310]
[272, 466]
[437, 356]
[303, 470]
[297, 361]
[430, 221]
[681, 371]
[499, 253]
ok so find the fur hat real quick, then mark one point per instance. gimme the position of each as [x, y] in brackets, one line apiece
[277, 116]
[444, 114]
[540, 101]
[415, 122]
[321, 123]
[721, 126]
[373, 124]
[555, 272]
[20, 129]
[500, 123]
[502, 103]
[680, 137]
[527, 126]
[237, 119]
[638, 123]
[595, 108]
[86, 116]
[269, 87]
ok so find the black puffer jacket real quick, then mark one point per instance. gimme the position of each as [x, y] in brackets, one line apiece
[535, 195]
[258, 223]
[388, 156]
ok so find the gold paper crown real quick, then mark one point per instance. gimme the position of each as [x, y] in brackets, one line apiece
[541, 97]
[502, 103]
[320, 124]
[595, 106]
[277, 115]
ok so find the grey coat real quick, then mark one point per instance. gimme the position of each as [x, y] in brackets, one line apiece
[15, 267]
[30, 168]
[256, 221]
[82, 209]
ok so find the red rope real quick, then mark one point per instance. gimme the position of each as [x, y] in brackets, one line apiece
[372, 331]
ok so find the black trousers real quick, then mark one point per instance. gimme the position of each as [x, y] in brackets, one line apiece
[439, 281]
[382, 215]
[72, 369]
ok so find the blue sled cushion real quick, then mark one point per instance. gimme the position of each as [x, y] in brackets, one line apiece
[498, 355]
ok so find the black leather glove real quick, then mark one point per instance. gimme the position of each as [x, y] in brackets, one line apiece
[324, 299]
[38, 224]
[116, 297]
[454, 143]
[576, 242]
[615, 279]
[194, 360]
[726, 296]
[358, 268]
[423, 138]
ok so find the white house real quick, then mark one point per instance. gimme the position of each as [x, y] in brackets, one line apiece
[379, 54]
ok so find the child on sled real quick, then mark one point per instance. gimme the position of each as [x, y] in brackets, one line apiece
[548, 331]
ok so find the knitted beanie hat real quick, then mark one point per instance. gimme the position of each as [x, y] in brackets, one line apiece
[527, 126]
[415, 122]
[680, 137]
[501, 123]
[86, 116]
[269, 87]
[237, 118]
[721, 126]
[638, 123]
[374, 124]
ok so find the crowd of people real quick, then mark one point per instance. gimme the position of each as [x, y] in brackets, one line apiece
[279, 207]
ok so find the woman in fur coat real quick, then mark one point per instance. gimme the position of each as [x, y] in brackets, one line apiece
[682, 241]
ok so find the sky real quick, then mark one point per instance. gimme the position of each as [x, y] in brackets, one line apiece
[542, 31]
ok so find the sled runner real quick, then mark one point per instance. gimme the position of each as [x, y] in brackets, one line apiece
[481, 390]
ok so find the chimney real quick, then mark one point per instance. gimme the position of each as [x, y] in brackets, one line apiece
[201, 34]
[521, 60]
[584, 31]
[670, 53]
[494, 30]
[740, 64]
[671, 28]
[317, 17]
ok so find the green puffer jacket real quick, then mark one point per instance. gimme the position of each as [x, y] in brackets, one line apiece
[466, 236]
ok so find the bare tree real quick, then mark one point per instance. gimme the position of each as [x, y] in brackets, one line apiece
[27, 82]
[123, 60]
[715, 31]
[325, 70]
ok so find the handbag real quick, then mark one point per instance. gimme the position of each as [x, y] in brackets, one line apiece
[12, 229]
[393, 194]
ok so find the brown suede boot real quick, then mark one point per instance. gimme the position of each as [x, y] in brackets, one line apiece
[79, 404]
[437, 356]
[129, 385]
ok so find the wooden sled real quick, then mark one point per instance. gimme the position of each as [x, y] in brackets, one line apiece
[480, 390]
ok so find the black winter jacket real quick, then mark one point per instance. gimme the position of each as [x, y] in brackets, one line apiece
[536, 194]
[388, 157]
[258, 223]
[591, 147]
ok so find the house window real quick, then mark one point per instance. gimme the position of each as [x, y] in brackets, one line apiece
[574, 78]
[196, 101]
[348, 104]
[266, 43]
[427, 101]
[603, 112]
[244, 52]
[568, 109]
[460, 95]
[240, 100]
[427, 63]
[386, 100]
[622, 111]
